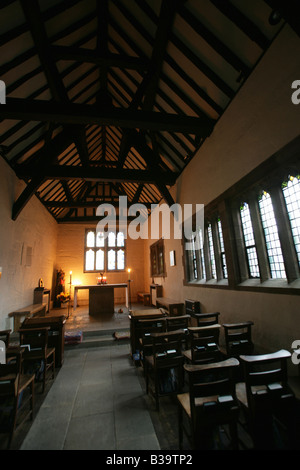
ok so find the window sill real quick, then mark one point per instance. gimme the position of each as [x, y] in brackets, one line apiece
[210, 283]
[281, 284]
[272, 286]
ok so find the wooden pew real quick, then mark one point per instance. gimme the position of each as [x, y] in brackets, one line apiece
[56, 333]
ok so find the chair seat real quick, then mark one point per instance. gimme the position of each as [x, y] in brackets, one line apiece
[184, 400]
[38, 354]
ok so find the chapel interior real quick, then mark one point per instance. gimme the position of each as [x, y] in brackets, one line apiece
[149, 225]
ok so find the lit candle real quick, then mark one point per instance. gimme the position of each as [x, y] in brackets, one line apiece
[70, 277]
[129, 274]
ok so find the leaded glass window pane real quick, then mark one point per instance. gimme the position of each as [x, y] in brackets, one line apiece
[90, 260]
[291, 193]
[111, 239]
[100, 260]
[223, 257]
[90, 239]
[249, 241]
[121, 259]
[120, 239]
[100, 239]
[211, 252]
[111, 260]
[202, 254]
[271, 236]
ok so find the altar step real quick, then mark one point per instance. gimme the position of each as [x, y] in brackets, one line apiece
[100, 338]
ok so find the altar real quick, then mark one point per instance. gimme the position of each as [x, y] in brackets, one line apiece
[101, 297]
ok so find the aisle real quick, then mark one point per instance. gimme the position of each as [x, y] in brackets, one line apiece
[95, 403]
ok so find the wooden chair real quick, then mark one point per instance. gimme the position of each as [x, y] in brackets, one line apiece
[5, 336]
[16, 393]
[265, 396]
[180, 322]
[37, 351]
[164, 368]
[145, 328]
[204, 344]
[238, 338]
[209, 403]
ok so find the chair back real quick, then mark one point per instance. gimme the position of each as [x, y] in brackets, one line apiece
[204, 343]
[9, 375]
[5, 336]
[238, 338]
[146, 327]
[266, 380]
[167, 347]
[212, 389]
[34, 338]
[177, 323]
[207, 319]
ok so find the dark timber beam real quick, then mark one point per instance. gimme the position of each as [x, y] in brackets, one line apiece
[108, 60]
[69, 172]
[88, 204]
[73, 113]
[26, 195]
[242, 22]
[34, 18]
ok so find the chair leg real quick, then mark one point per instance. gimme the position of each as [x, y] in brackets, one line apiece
[234, 435]
[180, 429]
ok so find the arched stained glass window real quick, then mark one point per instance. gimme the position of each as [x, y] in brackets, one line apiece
[271, 236]
[111, 239]
[222, 248]
[100, 239]
[120, 239]
[90, 239]
[211, 252]
[90, 260]
[249, 241]
[291, 193]
[121, 259]
[111, 260]
[100, 260]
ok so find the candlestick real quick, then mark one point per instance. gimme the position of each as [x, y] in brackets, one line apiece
[70, 277]
[129, 274]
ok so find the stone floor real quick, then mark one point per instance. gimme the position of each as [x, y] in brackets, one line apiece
[95, 403]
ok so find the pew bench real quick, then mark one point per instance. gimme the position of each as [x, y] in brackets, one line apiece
[173, 307]
[34, 310]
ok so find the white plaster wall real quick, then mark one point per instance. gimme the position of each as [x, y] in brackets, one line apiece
[34, 228]
[258, 123]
